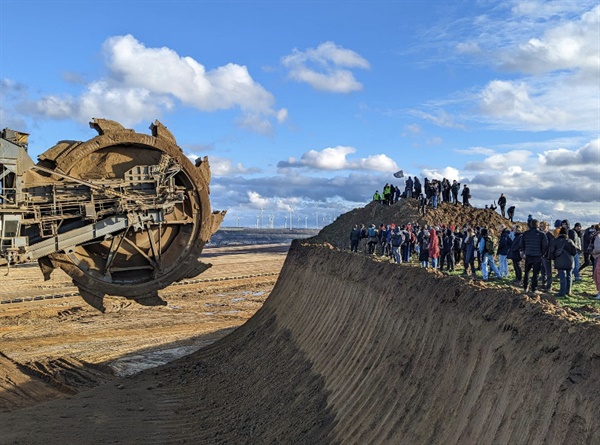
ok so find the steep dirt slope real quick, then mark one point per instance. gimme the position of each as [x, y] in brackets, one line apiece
[351, 351]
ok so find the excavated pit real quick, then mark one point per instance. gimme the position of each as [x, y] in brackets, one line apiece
[348, 350]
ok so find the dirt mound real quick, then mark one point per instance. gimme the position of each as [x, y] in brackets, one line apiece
[407, 211]
[347, 350]
[28, 384]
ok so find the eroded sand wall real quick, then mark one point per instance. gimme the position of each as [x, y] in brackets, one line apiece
[351, 351]
[409, 357]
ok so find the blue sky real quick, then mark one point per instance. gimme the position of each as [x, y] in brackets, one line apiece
[305, 108]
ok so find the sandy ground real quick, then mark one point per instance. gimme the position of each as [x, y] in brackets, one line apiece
[63, 342]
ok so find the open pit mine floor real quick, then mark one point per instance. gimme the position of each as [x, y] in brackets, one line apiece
[345, 350]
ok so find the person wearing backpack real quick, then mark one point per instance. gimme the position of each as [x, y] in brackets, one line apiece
[563, 252]
[372, 233]
[487, 250]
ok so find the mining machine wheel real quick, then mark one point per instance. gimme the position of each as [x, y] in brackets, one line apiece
[135, 262]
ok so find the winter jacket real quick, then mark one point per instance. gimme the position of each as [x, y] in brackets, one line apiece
[550, 237]
[469, 247]
[448, 242]
[534, 243]
[515, 253]
[596, 241]
[355, 234]
[397, 239]
[434, 244]
[504, 243]
[424, 252]
[563, 253]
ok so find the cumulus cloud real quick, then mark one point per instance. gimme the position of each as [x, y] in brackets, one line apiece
[326, 67]
[532, 105]
[335, 159]
[449, 173]
[561, 58]
[570, 175]
[143, 82]
[588, 155]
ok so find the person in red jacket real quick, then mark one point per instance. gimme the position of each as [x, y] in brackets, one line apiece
[434, 248]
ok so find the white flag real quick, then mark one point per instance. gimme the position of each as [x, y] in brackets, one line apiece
[399, 174]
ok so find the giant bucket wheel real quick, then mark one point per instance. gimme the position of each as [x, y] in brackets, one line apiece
[142, 258]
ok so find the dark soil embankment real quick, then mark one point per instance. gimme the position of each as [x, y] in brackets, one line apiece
[347, 350]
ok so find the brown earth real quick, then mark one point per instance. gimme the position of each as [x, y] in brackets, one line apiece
[59, 346]
[347, 350]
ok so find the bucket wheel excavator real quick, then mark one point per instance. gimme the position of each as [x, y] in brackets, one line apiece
[123, 214]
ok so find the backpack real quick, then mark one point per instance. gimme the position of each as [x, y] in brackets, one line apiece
[372, 232]
[488, 246]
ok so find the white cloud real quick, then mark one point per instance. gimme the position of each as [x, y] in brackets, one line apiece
[527, 105]
[500, 161]
[326, 67]
[449, 173]
[588, 155]
[334, 158]
[142, 83]
[570, 45]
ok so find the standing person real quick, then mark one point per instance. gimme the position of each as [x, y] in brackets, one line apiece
[447, 253]
[381, 237]
[511, 213]
[362, 244]
[422, 204]
[486, 248]
[546, 271]
[434, 248]
[586, 241]
[502, 204]
[354, 238]
[372, 232]
[469, 248]
[563, 251]
[533, 245]
[577, 241]
[466, 195]
[377, 196]
[455, 189]
[504, 244]
[515, 256]
[417, 186]
[409, 187]
[424, 249]
[595, 252]
[397, 240]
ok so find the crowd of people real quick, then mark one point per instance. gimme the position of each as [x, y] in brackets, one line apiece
[534, 251]
[433, 192]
